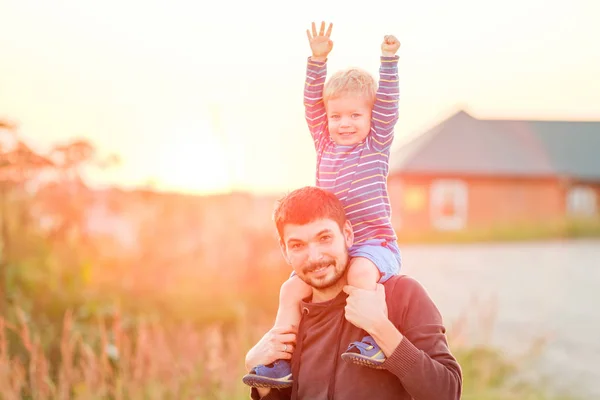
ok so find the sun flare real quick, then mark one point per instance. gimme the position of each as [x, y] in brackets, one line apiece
[192, 159]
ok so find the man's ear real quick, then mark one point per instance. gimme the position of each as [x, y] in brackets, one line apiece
[284, 251]
[348, 234]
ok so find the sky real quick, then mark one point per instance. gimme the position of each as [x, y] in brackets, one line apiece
[204, 99]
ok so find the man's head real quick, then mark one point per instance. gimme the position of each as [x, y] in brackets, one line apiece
[349, 96]
[314, 235]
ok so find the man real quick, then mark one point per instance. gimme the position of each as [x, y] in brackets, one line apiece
[314, 237]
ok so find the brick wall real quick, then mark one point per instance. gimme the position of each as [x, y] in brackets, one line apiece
[489, 201]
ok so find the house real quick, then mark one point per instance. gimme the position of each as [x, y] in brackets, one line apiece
[470, 173]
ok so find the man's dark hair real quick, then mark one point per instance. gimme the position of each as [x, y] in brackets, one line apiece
[306, 205]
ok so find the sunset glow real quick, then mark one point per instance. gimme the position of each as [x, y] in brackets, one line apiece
[130, 75]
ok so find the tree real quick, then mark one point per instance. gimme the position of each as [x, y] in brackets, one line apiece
[60, 195]
[18, 164]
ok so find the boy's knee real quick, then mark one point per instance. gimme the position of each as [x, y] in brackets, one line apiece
[293, 290]
[363, 270]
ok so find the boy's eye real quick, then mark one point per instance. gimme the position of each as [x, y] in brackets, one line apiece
[335, 116]
[355, 115]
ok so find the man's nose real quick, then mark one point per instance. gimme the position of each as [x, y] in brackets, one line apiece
[314, 253]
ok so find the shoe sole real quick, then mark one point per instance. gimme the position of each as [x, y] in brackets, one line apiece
[362, 361]
[266, 383]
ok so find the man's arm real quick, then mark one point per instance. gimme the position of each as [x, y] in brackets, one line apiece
[316, 72]
[385, 109]
[422, 359]
[419, 355]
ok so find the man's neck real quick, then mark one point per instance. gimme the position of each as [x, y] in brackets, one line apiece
[323, 295]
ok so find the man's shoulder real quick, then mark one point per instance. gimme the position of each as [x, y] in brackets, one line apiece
[404, 287]
[409, 303]
[402, 281]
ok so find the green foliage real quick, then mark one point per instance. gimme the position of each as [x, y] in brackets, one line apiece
[490, 375]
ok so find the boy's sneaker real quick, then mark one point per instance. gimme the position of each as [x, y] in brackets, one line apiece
[274, 376]
[366, 353]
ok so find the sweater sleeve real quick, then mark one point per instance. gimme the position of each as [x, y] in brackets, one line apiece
[314, 108]
[385, 109]
[423, 361]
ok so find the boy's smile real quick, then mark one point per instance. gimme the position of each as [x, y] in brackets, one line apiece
[349, 118]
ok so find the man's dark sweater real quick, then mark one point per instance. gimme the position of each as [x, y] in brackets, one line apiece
[421, 367]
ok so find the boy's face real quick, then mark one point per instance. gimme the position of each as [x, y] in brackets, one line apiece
[349, 118]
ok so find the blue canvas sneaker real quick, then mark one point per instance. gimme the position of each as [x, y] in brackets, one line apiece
[366, 353]
[274, 376]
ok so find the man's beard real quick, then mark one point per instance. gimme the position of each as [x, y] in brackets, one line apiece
[323, 284]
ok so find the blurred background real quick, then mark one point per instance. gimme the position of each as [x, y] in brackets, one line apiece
[143, 145]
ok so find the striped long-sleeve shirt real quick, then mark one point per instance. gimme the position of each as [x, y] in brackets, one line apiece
[357, 174]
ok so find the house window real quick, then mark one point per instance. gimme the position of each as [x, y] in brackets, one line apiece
[448, 204]
[581, 201]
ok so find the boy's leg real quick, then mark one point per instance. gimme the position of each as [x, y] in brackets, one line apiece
[290, 295]
[363, 273]
[279, 374]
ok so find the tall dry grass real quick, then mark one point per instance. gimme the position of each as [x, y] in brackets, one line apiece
[148, 362]
[152, 361]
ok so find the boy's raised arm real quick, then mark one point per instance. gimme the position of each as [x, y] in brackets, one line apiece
[316, 72]
[385, 110]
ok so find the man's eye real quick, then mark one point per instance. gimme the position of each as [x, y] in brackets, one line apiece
[296, 246]
[325, 238]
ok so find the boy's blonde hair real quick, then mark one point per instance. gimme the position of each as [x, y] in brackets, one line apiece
[353, 81]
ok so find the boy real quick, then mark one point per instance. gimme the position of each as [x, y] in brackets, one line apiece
[351, 122]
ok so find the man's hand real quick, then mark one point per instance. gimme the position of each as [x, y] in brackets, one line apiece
[390, 46]
[366, 309]
[276, 344]
[320, 44]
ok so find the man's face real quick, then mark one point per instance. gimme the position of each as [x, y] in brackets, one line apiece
[318, 251]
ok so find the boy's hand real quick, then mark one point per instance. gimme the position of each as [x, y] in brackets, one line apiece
[390, 46]
[320, 44]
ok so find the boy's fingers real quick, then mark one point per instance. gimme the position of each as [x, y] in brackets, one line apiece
[308, 34]
[329, 30]
[322, 30]
[314, 29]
